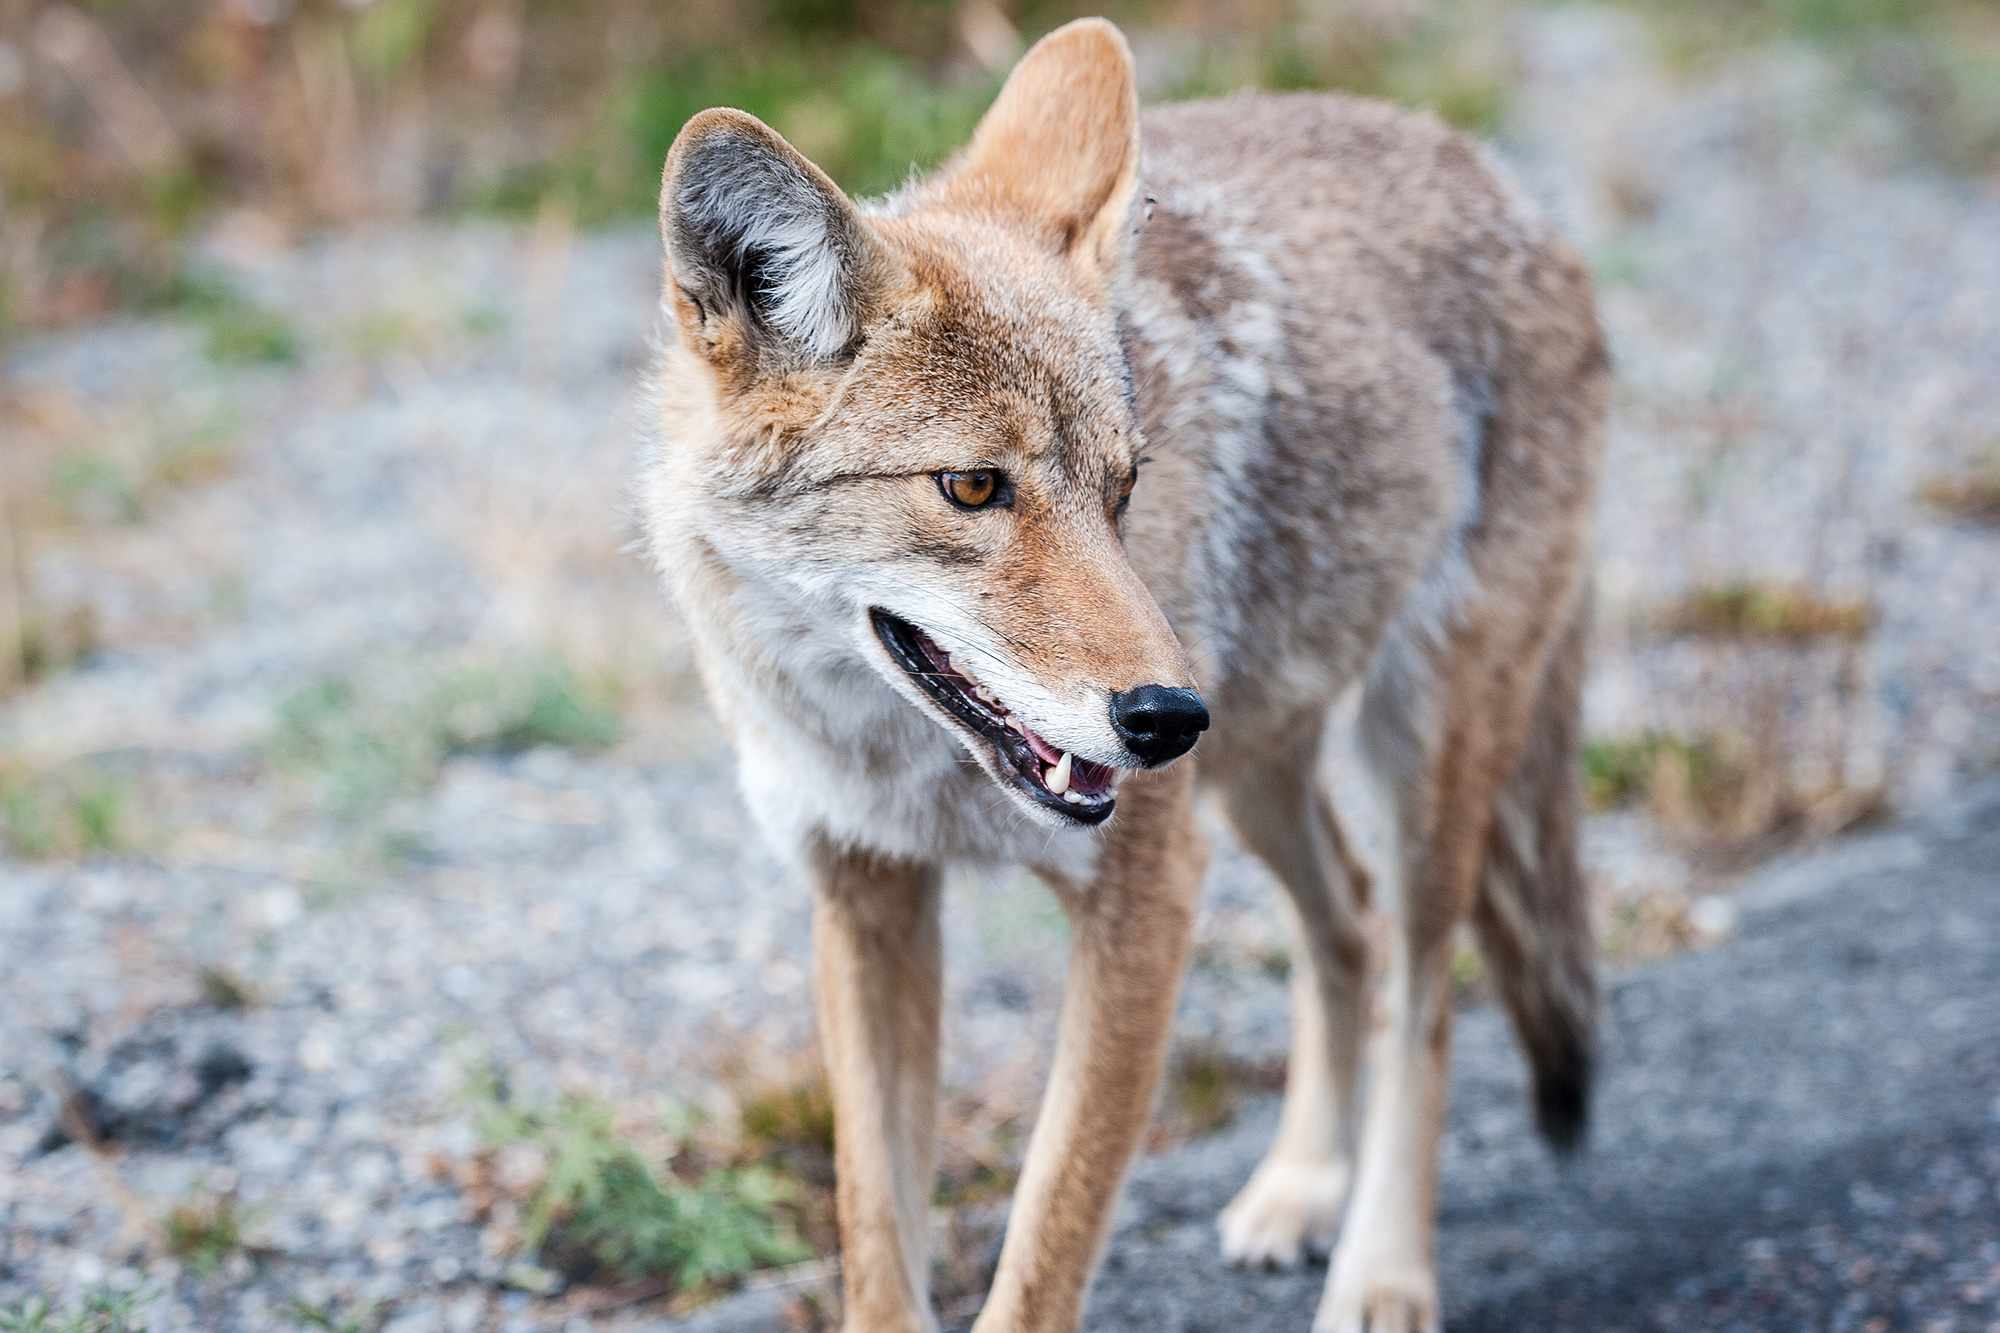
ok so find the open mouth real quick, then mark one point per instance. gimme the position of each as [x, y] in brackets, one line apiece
[1056, 779]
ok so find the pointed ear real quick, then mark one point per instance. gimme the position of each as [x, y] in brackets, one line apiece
[1060, 146]
[761, 246]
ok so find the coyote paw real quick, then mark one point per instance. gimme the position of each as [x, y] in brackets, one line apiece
[1287, 1211]
[1390, 1299]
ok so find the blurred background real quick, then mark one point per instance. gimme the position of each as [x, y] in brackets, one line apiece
[382, 940]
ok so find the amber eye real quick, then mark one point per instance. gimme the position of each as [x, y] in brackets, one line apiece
[1125, 492]
[970, 490]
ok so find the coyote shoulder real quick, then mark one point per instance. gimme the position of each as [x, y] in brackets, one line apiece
[1271, 423]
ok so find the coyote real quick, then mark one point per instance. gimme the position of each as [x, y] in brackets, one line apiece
[1271, 421]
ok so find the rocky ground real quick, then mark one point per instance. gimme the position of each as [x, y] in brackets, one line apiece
[385, 770]
[1795, 1130]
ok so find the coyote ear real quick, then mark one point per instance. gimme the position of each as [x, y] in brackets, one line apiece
[1060, 145]
[759, 239]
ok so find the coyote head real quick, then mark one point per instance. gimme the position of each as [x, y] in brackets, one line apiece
[915, 419]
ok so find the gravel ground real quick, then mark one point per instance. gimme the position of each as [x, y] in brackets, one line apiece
[1807, 323]
[1796, 1130]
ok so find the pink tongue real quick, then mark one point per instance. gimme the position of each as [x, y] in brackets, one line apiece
[1045, 752]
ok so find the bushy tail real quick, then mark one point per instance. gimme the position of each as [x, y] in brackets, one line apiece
[1532, 917]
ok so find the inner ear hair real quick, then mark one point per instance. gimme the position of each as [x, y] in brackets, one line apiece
[755, 230]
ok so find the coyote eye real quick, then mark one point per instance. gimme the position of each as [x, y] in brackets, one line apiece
[1125, 491]
[971, 490]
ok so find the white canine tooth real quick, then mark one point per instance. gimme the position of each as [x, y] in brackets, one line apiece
[1012, 722]
[1058, 777]
[1074, 798]
[985, 695]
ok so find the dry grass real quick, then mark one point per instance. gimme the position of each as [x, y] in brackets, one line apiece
[1205, 1088]
[1935, 63]
[794, 1116]
[782, 1121]
[1752, 609]
[224, 988]
[1721, 794]
[39, 640]
[1971, 495]
[76, 475]
[133, 124]
[203, 1232]
[136, 124]
[1647, 926]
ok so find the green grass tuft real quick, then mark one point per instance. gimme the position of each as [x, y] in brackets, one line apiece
[61, 814]
[102, 1311]
[865, 116]
[91, 487]
[1204, 1089]
[112, 474]
[482, 320]
[236, 331]
[1718, 789]
[204, 1233]
[606, 1206]
[249, 336]
[493, 710]
[366, 748]
[358, 757]
[322, 1320]
[1622, 771]
[1454, 65]
[1468, 972]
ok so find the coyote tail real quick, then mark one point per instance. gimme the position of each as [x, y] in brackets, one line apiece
[1532, 916]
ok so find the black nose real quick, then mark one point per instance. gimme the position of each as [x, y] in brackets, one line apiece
[1158, 722]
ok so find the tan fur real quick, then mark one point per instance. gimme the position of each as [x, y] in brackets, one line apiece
[1131, 928]
[1365, 386]
[878, 970]
[1059, 151]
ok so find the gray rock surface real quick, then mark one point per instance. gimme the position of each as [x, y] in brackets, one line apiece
[1797, 1130]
